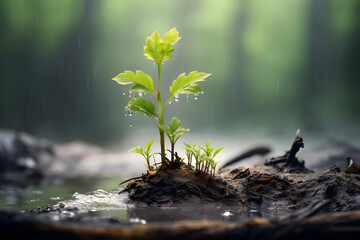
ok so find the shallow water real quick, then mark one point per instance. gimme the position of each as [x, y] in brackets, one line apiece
[105, 201]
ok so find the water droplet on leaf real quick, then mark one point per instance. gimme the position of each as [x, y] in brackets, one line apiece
[130, 125]
[196, 97]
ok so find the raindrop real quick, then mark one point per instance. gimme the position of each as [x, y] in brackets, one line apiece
[37, 19]
[27, 112]
[67, 21]
[196, 96]
[78, 40]
[44, 106]
[202, 92]
[88, 83]
[130, 93]
[187, 97]
[124, 93]
[30, 95]
[111, 114]
[176, 97]
[227, 214]
[94, 72]
[130, 125]
[170, 101]
[130, 113]
[140, 94]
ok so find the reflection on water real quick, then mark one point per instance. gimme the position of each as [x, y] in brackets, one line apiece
[15, 198]
[76, 193]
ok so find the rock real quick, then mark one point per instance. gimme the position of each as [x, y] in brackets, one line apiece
[23, 158]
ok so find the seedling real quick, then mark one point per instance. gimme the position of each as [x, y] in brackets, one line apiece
[208, 157]
[159, 49]
[145, 153]
[174, 132]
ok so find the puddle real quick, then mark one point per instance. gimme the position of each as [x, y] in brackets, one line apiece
[106, 202]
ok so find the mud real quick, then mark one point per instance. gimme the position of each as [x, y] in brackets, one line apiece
[171, 186]
[274, 190]
[260, 188]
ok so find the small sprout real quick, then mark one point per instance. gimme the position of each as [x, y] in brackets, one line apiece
[189, 151]
[174, 132]
[145, 153]
[205, 160]
[209, 155]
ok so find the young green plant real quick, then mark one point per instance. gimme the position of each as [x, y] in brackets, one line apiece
[145, 153]
[174, 132]
[208, 157]
[159, 49]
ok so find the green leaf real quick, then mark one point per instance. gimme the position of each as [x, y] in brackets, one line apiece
[193, 89]
[187, 146]
[181, 132]
[165, 128]
[141, 105]
[187, 84]
[158, 49]
[141, 81]
[149, 144]
[207, 144]
[217, 151]
[174, 124]
[137, 150]
[212, 163]
[172, 36]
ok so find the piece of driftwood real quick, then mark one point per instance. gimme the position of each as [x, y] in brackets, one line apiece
[252, 152]
[289, 162]
[344, 225]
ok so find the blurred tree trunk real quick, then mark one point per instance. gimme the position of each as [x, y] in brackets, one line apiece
[319, 65]
[352, 67]
[237, 88]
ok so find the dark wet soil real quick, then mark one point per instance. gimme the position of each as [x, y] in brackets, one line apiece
[179, 185]
[261, 187]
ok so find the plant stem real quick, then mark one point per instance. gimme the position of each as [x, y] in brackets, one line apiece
[172, 151]
[161, 117]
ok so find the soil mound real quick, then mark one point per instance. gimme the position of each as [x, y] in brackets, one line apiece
[179, 185]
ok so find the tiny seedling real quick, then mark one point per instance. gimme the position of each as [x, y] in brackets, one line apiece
[174, 132]
[145, 153]
[208, 157]
[159, 49]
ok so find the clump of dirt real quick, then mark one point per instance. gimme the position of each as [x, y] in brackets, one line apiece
[178, 185]
[267, 189]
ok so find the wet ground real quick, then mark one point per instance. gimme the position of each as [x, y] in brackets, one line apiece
[260, 191]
